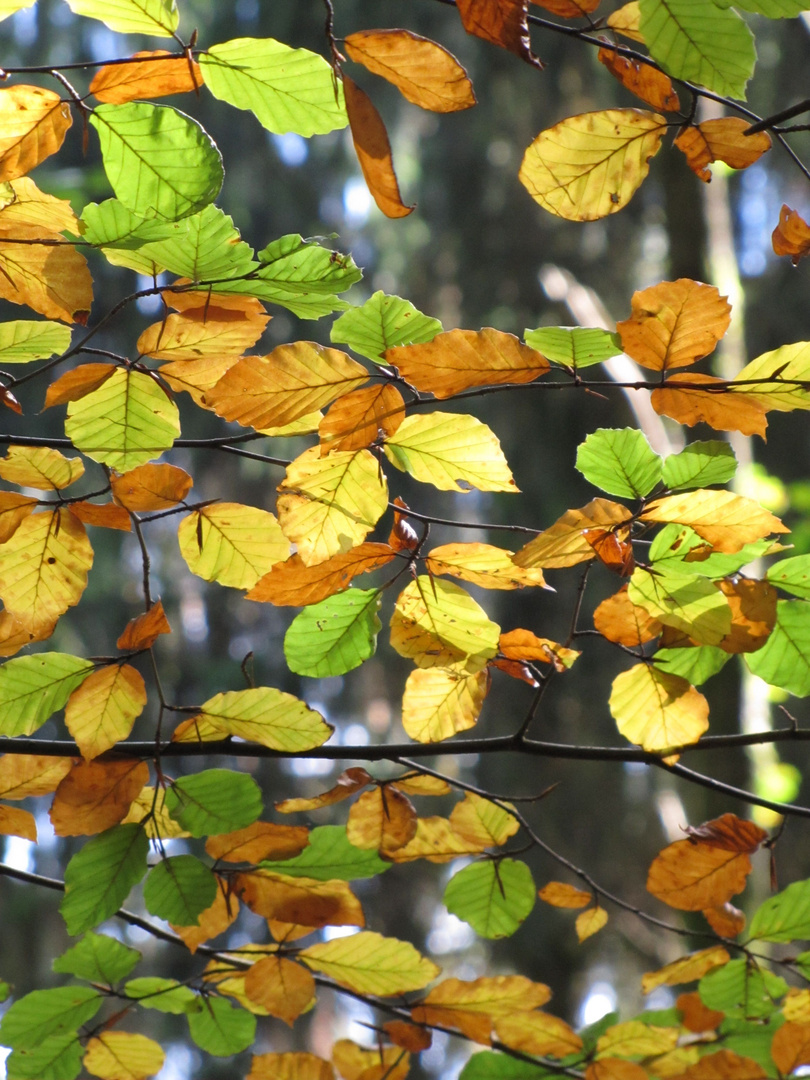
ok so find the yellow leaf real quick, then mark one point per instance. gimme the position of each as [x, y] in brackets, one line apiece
[14, 509]
[299, 899]
[150, 78]
[267, 716]
[44, 568]
[682, 399]
[589, 166]
[52, 278]
[627, 20]
[198, 333]
[461, 359]
[436, 841]
[480, 821]
[290, 1066]
[30, 206]
[197, 377]
[472, 1006]
[796, 1006]
[423, 72]
[295, 584]
[692, 876]
[362, 417]
[15, 636]
[420, 784]
[33, 122]
[687, 969]
[101, 712]
[96, 795]
[373, 151]
[674, 323]
[212, 922]
[438, 624]
[590, 922]
[371, 964]
[149, 806]
[17, 822]
[776, 368]
[355, 1062]
[452, 452]
[40, 467]
[261, 840]
[563, 543]
[558, 894]
[231, 544]
[24, 775]
[329, 505]
[688, 602]
[282, 987]
[636, 1039]
[121, 1055]
[438, 703]
[722, 139]
[482, 564]
[675, 1063]
[537, 1033]
[724, 520]
[656, 710]
[382, 819]
[293, 380]
[615, 1069]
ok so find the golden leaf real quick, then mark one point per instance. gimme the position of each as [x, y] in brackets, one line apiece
[30, 206]
[371, 964]
[96, 795]
[687, 969]
[51, 277]
[725, 1065]
[729, 833]
[619, 619]
[723, 410]
[348, 783]
[14, 509]
[102, 515]
[537, 1033]
[482, 822]
[503, 24]
[568, 9]
[657, 710]
[524, 645]
[149, 807]
[293, 583]
[438, 624]
[382, 819]
[17, 822]
[40, 467]
[261, 840]
[626, 20]
[231, 543]
[77, 383]
[373, 151]
[473, 1006]
[693, 876]
[437, 841]
[558, 894]
[151, 487]
[362, 417]
[144, 630]
[438, 703]
[121, 1055]
[299, 899]
[636, 1039]
[725, 520]
[482, 564]
[614, 1069]
[791, 236]
[674, 323]
[696, 1017]
[722, 139]
[726, 920]
[151, 78]
[201, 332]
[101, 712]
[25, 775]
[290, 1066]
[563, 544]
[590, 922]
[282, 987]
[34, 123]
[355, 1062]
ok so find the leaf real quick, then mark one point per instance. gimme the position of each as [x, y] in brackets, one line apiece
[125, 422]
[266, 716]
[335, 635]
[709, 46]
[482, 564]
[568, 9]
[675, 323]
[144, 630]
[503, 24]
[104, 515]
[783, 917]
[382, 819]
[726, 920]
[14, 509]
[687, 602]
[558, 894]
[122, 1055]
[725, 1065]
[563, 544]
[741, 990]
[686, 969]
[776, 368]
[461, 359]
[348, 783]
[360, 418]
[438, 624]
[24, 340]
[691, 876]
[214, 801]
[723, 139]
[40, 467]
[619, 461]
[724, 520]
[97, 958]
[299, 899]
[17, 822]
[355, 1062]
[437, 841]
[179, 889]
[537, 1033]
[96, 795]
[51, 278]
[589, 166]
[438, 703]
[99, 876]
[33, 688]
[383, 322]
[57, 1056]
[620, 620]
[212, 922]
[575, 346]
[373, 151]
[371, 964]
[330, 856]
[753, 614]
[101, 712]
[483, 822]
[202, 332]
[159, 18]
[473, 1006]
[151, 78]
[220, 1029]
[696, 1017]
[231, 544]
[494, 898]
[329, 505]
[614, 1069]
[261, 840]
[791, 1047]
[286, 89]
[646, 82]
[791, 236]
[590, 922]
[634, 1038]
[720, 409]
[34, 122]
[452, 452]
[488, 1065]
[44, 1013]
[656, 710]
[77, 383]
[151, 487]
[24, 775]
[524, 645]
[290, 1066]
[698, 465]
[295, 584]
[285, 989]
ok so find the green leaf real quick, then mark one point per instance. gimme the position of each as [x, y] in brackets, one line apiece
[156, 17]
[110, 224]
[214, 801]
[383, 322]
[739, 990]
[696, 665]
[792, 575]
[48, 1012]
[700, 42]
[23, 340]
[784, 917]
[672, 546]
[125, 422]
[329, 856]
[487, 1065]
[59, 1057]
[267, 716]
[98, 878]
[285, 89]
[752, 1040]
[97, 958]
[334, 636]
[699, 465]
[619, 461]
[203, 247]
[178, 889]
[165, 995]
[574, 346]
[220, 1029]
[494, 898]
[32, 688]
[688, 602]
[771, 9]
[160, 162]
[784, 659]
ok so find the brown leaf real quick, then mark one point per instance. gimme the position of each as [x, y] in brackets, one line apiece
[25, 775]
[410, 1037]
[151, 78]
[33, 122]
[524, 645]
[609, 1068]
[261, 840]
[151, 487]
[17, 822]
[563, 544]
[143, 631]
[729, 833]
[612, 551]
[373, 151]
[77, 383]
[791, 1047]
[726, 920]
[10, 401]
[102, 515]
[722, 139]
[299, 899]
[724, 1065]
[722, 410]
[402, 537]
[293, 584]
[694, 876]
[362, 417]
[501, 22]
[620, 620]
[95, 795]
[791, 236]
[348, 783]
[558, 894]
[282, 987]
[214, 921]
[382, 819]
[515, 670]
[643, 80]
[674, 323]
[696, 1017]
[424, 72]
[568, 9]
[50, 277]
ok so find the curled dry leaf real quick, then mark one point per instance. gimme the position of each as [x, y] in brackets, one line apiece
[403, 536]
[791, 236]
[729, 833]
[643, 80]
[504, 24]
[563, 544]
[373, 151]
[144, 630]
[348, 783]
[722, 139]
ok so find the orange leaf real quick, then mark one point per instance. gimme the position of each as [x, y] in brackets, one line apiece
[473, 1006]
[96, 795]
[504, 23]
[687, 969]
[14, 509]
[143, 631]
[674, 323]
[753, 614]
[726, 920]
[151, 78]
[568, 9]
[77, 383]
[24, 775]
[362, 417]
[14, 635]
[17, 822]
[725, 520]
[402, 536]
[261, 840]
[643, 80]
[524, 645]
[724, 1065]
[290, 1066]
[729, 833]
[355, 1062]
[723, 410]
[409, 1036]
[280, 986]
[151, 487]
[203, 331]
[52, 277]
[382, 819]
[33, 122]
[693, 876]
[723, 139]
[696, 1017]
[299, 899]
[558, 894]
[791, 236]
[612, 551]
[103, 515]
[196, 377]
[424, 72]
[563, 544]
[791, 1047]
[348, 783]
[293, 584]
[537, 1033]
[515, 670]
[590, 922]
[214, 921]
[615, 1069]
[373, 151]
[620, 620]
[437, 841]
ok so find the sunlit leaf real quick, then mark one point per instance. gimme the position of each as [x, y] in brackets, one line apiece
[361, 417]
[483, 822]
[726, 920]
[335, 635]
[146, 76]
[201, 332]
[23, 775]
[729, 833]
[32, 688]
[473, 1006]
[77, 383]
[371, 964]
[791, 1047]
[98, 878]
[231, 544]
[34, 124]
[103, 709]
[722, 139]
[563, 544]
[742, 990]
[266, 716]
[373, 151]
[158, 18]
[51, 278]
[17, 822]
[438, 703]
[620, 620]
[261, 840]
[753, 614]
[692, 876]
[776, 368]
[355, 1062]
[784, 917]
[646, 82]
[687, 602]
[285, 989]
[329, 856]
[423, 71]
[634, 1038]
[791, 236]
[657, 710]
[727, 521]
[144, 630]
[524, 645]
[438, 624]
[698, 465]
[494, 898]
[482, 564]
[382, 819]
[620, 461]
[537, 1033]
[214, 801]
[684, 400]
[675, 323]
[383, 322]
[96, 795]
[40, 467]
[149, 809]
[122, 1055]
[24, 340]
[685, 970]
[292, 583]
[43, 1013]
[575, 346]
